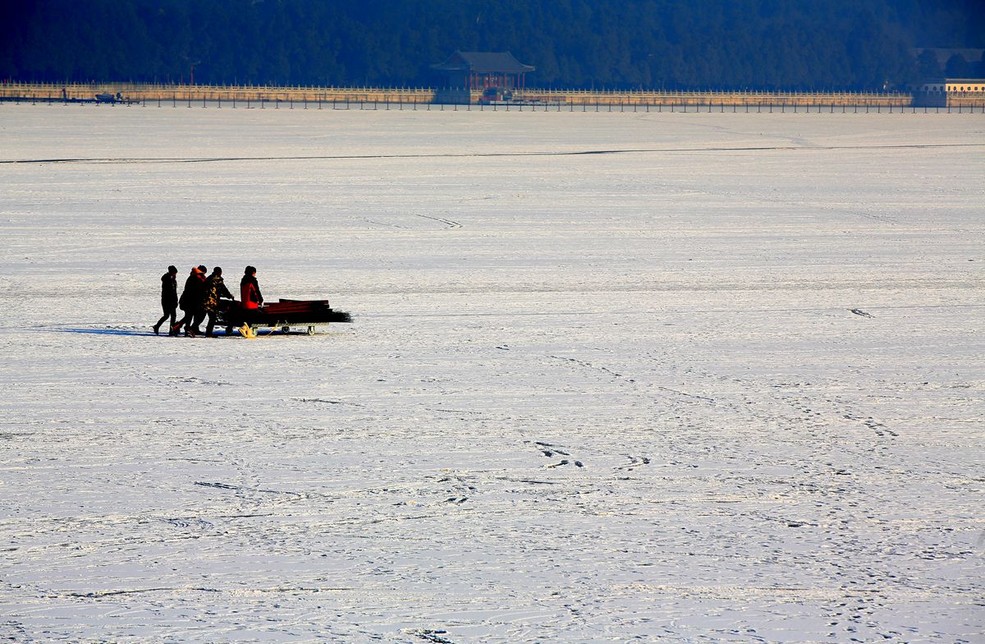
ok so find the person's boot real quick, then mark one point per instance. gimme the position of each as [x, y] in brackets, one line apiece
[157, 329]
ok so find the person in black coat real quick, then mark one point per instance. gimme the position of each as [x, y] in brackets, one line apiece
[196, 301]
[169, 297]
[191, 301]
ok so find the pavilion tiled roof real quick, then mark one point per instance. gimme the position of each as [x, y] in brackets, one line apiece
[483, 62]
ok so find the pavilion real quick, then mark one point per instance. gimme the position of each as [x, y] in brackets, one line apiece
[479, 70]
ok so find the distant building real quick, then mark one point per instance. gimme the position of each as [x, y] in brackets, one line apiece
[949, 92]
[476, 71]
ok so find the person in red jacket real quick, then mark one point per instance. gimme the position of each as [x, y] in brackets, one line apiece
[249, 289]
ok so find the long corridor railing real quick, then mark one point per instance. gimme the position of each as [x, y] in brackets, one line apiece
[529, 99]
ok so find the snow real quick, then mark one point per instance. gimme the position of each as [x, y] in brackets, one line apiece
[689, 377]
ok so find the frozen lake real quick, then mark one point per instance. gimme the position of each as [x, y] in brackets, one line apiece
[611, 376]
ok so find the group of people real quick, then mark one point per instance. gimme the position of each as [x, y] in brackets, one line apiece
[200, 299]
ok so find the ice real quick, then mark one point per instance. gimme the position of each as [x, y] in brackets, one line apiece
[611, 376]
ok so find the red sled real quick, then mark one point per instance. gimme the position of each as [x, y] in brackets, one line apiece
[283, 315]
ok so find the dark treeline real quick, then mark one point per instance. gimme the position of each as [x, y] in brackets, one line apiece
[597, 44]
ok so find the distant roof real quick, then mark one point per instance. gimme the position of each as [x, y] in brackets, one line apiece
[969, 81]
[483, 62]
[943, 54]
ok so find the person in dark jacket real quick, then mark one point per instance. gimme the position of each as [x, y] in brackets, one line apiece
[249, 289]
[169, 297]
[199, 303]
[191, 301]
[215, 289]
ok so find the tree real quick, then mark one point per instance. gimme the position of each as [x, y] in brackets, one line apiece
[617, 44]
[957, 67]
[928, 67]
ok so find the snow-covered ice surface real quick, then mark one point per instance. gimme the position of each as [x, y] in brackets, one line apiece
[611, 376]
